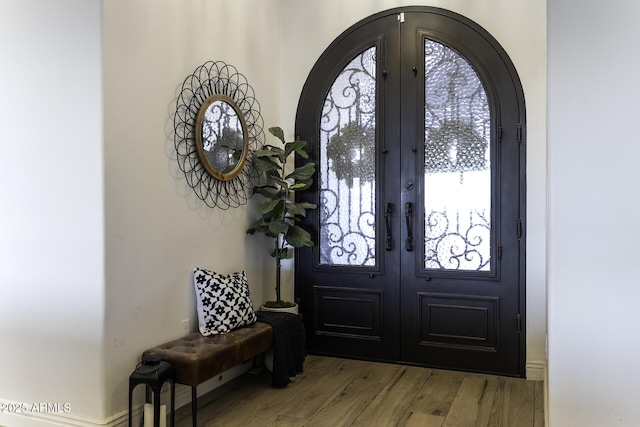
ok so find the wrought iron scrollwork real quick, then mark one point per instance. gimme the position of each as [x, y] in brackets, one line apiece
[342, 245]
[450, 247]
[348, 165]
[457, 164]
[216, 78]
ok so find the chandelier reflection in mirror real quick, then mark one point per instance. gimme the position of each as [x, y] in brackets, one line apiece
[217, 128]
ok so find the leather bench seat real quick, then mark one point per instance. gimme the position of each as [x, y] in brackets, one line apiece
[197, 358]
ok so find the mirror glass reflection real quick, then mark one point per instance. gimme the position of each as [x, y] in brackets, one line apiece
[222, 140]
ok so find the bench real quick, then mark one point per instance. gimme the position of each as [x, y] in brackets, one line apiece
[197, 358]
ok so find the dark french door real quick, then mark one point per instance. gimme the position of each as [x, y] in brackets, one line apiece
[415, 118]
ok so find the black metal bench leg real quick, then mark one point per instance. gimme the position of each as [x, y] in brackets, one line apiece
[173, 404]
[194, 406]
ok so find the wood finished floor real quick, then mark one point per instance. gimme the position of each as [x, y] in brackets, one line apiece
[340, 392]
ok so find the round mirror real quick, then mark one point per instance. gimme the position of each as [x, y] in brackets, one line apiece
[222, 137]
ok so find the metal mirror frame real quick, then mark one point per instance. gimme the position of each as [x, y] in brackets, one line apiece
[200, 143]
[216, 80]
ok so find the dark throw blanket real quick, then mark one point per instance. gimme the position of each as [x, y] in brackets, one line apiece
[288, 345]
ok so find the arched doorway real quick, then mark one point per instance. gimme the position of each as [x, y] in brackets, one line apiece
[416, 120]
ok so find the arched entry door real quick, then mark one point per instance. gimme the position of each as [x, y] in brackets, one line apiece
[416, 120]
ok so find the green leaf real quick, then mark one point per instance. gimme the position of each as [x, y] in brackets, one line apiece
[268, 191]
[265, 164]
[277, 150]
[278, 210]
[297, 237]
[299, 208]
[274, 152]
[302, 185]
[269, 206]
[258, 229]
[284, 253]
[263, 153]
[296, 146]
[303, 172]
[278, 133]
[271, 153]
[281, 182]
[307, 205]
[294, 209]
[278, 227]
[303, 154]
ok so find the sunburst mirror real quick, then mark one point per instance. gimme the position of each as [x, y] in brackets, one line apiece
[218, 127]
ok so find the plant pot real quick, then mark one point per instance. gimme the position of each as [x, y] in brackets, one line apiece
[293, 309]
[268, 357]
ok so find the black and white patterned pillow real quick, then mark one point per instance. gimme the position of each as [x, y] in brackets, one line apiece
[223, 301]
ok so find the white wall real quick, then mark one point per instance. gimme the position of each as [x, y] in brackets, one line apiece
[99, 237]
[157, 230]
[51, 215]
[594, 213]
[520, 28]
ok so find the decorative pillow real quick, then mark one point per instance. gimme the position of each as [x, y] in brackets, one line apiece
[223, 301]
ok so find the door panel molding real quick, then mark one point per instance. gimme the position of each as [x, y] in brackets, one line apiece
[356, 313]
[478, 326]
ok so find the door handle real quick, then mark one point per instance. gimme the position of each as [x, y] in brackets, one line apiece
[408, 213]
[387, 217]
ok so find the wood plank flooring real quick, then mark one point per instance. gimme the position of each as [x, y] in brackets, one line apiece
[341, 392]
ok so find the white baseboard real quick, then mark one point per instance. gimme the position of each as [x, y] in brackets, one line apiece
[50, 418]
[31, 418]
[536, 370]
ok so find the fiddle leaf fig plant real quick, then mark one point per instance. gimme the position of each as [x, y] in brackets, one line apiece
[280, 214]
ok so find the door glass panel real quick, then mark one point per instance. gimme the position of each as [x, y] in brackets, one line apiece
[457, 165]
[348, 165]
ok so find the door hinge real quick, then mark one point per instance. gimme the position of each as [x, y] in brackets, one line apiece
[519, 228]
[499, 133]
[499, 252]
[401, 17]
[519, 322]
[519, 134]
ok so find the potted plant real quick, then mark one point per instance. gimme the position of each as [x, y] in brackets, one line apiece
[280, 214]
